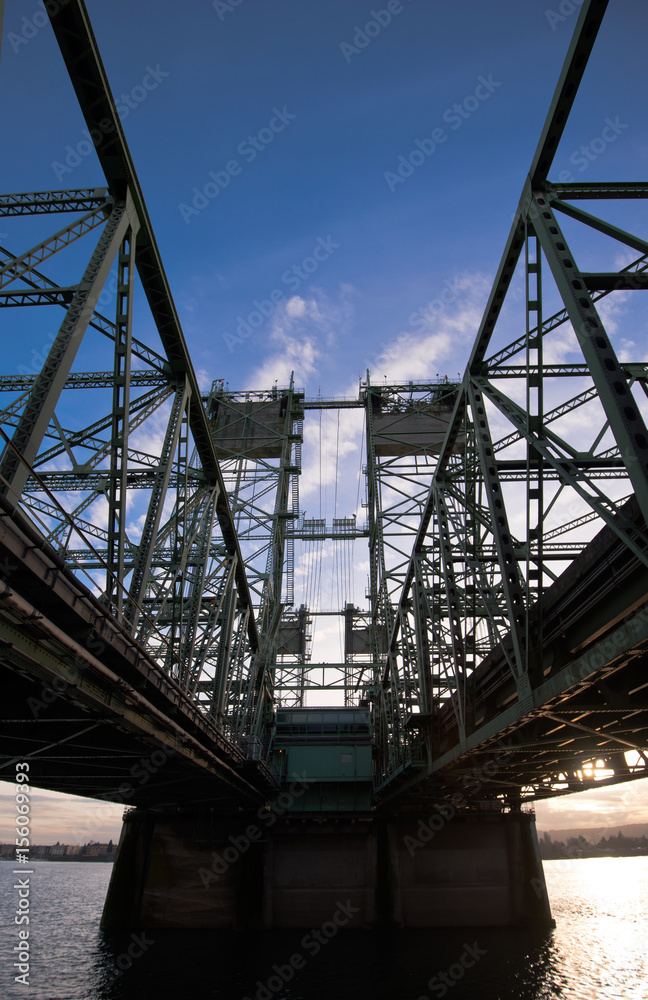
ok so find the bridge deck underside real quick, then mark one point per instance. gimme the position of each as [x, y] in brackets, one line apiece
[102, 719]
[88, 707]
[96, 713]
[589, 704]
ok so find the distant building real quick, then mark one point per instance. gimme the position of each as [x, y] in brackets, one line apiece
[94, 850]
[59, 852]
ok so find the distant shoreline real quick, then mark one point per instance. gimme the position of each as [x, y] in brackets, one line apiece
[584, 856]
[102, 860]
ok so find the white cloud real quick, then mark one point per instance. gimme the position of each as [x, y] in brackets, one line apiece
[65, 818]
[611, 310]
[600, 807]
[448, 326]
[204, 379]
[339, 438]
[294, 338]
[296, 307]
[301, 329]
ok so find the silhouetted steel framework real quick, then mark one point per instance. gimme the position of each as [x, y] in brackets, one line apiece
[496, 629]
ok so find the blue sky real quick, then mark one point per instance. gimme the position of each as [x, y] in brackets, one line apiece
[267, 135]
[323, 175]
[217, 77]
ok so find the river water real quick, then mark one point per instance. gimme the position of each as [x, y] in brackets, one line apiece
[596, 952]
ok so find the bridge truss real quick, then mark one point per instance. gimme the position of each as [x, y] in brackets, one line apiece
[506, 511]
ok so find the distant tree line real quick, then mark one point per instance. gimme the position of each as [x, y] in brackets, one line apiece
[92, 851]
[613, 846]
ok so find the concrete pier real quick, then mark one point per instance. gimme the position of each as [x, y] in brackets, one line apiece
[184, 870]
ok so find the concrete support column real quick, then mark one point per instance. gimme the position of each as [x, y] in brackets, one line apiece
[187, 870]
[123, 906]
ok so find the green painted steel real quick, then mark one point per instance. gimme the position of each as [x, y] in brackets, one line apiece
[500, 548]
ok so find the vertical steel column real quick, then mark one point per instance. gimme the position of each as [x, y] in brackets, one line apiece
[472, 598]
[118, 477]
[238, 668]
[348, 653]
[194, 617]
[454, 611]
[386, 722]
[380, 722]
[180, 539]
[146, 548]
[271, 606]
[206, 644]
[535, 464]
[223, 664]
[379, 599]
[423, 622]
[49, 384]
[510, 573]
[626, 421]
[296, 439]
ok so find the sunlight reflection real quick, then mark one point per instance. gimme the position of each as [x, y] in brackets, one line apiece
[611, 894]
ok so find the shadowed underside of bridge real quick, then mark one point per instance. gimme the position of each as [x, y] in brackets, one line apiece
[89, 707]
[502, 656]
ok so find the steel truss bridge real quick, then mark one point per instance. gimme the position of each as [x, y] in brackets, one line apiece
[505, 632]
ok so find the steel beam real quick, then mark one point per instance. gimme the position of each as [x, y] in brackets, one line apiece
[624, 416]
[49, 384]
[18, 266]
[120, 425]
[145, 550]
[582, 43]
[73, 31]
[49, 202]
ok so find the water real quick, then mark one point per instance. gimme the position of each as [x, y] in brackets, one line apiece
[596, 952]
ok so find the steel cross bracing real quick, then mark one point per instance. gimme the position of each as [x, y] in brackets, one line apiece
[125, 485]
[506, 511]
[258, 438]
[538, 457]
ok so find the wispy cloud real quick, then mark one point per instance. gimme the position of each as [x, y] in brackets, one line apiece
[599, 807]
[68, 819]
[303, 330]
[446, 327]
